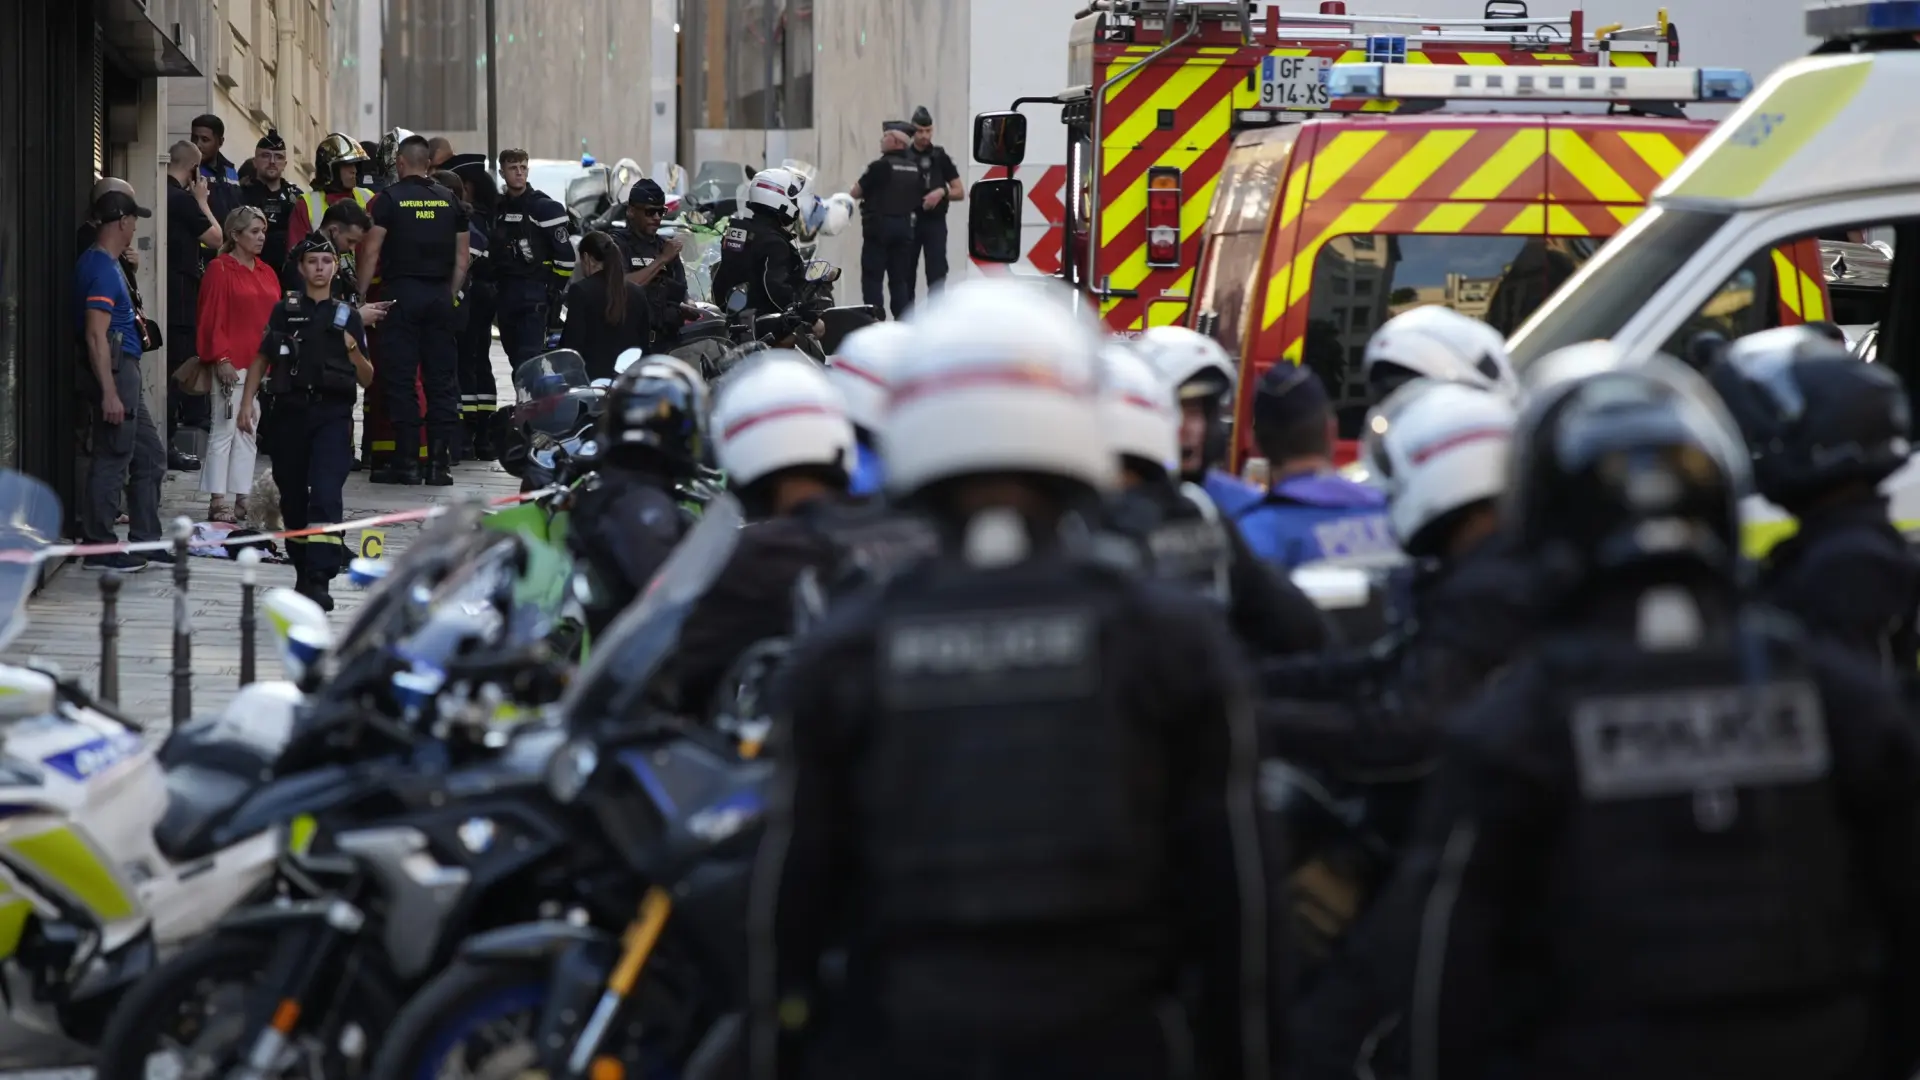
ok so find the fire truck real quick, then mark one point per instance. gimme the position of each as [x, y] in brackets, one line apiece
[1287, 182]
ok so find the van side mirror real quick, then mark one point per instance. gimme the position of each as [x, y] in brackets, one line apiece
[993, 220]
[1000, 138]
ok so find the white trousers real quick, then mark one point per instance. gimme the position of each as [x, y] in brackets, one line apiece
[227, 468]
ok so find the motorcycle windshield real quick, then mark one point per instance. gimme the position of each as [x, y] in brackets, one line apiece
[543, 392]
[464, 613]
[443, 542]
[635, 649]
[29, 521]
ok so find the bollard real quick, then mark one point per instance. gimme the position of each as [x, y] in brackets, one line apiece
[182, 626]
[249, 559]
[110, 637]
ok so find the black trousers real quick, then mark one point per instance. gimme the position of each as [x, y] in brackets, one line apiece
[888, 253]
[312, 453]
[931, 237]
[418, 336]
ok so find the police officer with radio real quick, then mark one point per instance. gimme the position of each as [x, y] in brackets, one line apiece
[1016, 782]
[940, 180]
[1182, 535]
[1826, 429]
[268, 191]
[890, 194]
[419, 251]
[532, 252]
[311, 362]
[1679, 835]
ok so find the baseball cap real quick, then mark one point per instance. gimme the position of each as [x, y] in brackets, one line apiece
[115, 205]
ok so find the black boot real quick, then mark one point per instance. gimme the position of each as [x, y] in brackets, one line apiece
[392, 473]
[314, 588]
[439, 467]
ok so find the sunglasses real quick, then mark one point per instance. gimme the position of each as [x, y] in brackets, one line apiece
[649, 211]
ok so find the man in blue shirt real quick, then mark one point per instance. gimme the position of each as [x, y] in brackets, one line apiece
[1310, 512]
[126, 448]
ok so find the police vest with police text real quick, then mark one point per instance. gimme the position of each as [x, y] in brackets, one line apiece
[1308, 518]
[310, 353]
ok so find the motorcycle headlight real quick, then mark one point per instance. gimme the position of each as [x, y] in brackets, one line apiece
[570, 769]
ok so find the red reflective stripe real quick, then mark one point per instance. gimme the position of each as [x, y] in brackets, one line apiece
[1147, 403]
[734, 429]
[859, 372]
[1020, 375]
[1455, 441]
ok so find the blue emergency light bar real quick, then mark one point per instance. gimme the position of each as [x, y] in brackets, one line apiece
[1838, 19]
[1457, 83]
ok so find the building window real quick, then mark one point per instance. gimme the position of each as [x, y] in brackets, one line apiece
[749, 63]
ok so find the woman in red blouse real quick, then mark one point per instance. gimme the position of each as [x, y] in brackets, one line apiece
[236, 297]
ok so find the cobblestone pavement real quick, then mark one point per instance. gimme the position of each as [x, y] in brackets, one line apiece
[64, 628]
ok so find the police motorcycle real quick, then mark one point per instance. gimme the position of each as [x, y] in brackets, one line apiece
[404, 827]
[648, 976]
[792, 328]
[101, 870]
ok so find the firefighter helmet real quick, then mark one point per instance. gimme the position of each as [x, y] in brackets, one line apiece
[335, 150]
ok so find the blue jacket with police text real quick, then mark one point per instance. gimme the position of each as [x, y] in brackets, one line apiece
[1231, 495]
[1317, 516]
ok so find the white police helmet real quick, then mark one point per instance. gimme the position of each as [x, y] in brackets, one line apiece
[775, 194]
[1139, 413]
[1192, 364]
[862, 367]
[1437, 342]
[1436, 447]
[1006, 380]
[779, 411]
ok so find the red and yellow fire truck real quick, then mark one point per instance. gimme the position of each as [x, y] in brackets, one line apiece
[1231, 188]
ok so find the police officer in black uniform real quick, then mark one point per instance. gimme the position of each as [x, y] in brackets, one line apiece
[1680, 836]
[940, 182]
[757, 255]
[1176, 526]
[267, 190]
[532, 251]
[891, 192]
[653, 262]
[1825, 430]
[651, 437]
[311, 361]
[418, 250]
[1015, 783]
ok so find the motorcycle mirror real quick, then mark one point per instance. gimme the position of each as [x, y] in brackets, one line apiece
[287, 612]
[363, 572]
[737, 301]
[626, 360]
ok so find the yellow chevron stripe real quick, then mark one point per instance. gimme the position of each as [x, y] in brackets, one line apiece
[1169, 314]
[1631, 59]
[1786, 274]
[1549, 57]
[1588, 167]
[1419, 164]
[1655, 149]
[1130, 204]
[1173, 93]
[1418, 56]
[1337, 158]
[1625, 214]
[1561, 222]
[1810, 298]
[1287, 288]
[1522, 152]
[1483, 59]
[1448, 218]
[1294, 199]
[1531, 220]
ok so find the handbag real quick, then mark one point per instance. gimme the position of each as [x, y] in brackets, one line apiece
[194, 377]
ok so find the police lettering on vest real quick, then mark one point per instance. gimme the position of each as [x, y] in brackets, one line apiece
[1309, 518]
[424, 223]
[1016, 656]
[306, 348]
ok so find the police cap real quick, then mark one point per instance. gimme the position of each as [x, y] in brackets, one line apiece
[645, 192]
[1286, 395]
[921, 117]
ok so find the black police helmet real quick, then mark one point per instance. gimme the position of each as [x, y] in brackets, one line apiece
[1635, 468]
[656, 414]
[1814, 416]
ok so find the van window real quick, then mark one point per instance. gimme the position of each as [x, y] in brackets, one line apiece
[1229, 281]
[1361, 281]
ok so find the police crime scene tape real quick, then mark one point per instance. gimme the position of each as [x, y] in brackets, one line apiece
[66, 551]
